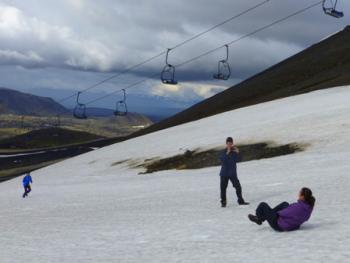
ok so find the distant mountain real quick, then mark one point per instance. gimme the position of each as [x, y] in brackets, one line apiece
[156, 117]
[155, 107]
[99, 112]
[16, 102]
[131, 119]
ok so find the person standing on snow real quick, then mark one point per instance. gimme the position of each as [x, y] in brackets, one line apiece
[286, 217]
[27, 180]
[228, 172]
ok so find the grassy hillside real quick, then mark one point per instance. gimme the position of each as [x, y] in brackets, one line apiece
[12, 125]
[51, 137]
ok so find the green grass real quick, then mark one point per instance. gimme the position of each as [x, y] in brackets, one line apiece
[9, 132]
[47, 138]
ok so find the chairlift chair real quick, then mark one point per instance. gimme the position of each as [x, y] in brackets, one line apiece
[121, 107]
[80, 109]
[168, 72]
[329, 8]
[224, 70]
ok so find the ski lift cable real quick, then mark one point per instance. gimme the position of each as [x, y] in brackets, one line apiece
[127, 87]
[212, 50]
[177, 45]
[113, 77]
[249, 34]
[220, 24]
[164, 52]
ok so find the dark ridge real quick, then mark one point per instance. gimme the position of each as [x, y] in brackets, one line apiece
[23, 161]
[200, 159]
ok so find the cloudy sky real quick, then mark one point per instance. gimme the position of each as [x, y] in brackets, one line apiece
[71, 44]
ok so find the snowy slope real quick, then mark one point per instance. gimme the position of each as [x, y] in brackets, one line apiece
[88, 210]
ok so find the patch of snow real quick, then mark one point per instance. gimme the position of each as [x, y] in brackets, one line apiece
[86, 209]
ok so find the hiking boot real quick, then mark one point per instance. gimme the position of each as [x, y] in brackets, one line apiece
[254, 219]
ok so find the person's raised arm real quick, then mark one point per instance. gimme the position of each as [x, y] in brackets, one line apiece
[236, 154]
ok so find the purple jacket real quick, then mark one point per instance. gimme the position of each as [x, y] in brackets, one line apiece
[294, 215]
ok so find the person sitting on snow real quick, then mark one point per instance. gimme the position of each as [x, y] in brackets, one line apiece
[27, 180]
[286, 217]
[228, 172]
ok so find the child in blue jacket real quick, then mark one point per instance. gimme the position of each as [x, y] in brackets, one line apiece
[27, 180]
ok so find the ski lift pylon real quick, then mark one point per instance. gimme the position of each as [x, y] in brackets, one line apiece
[121, 107]
[58, 121]
[224, 70]
[329, 8]
[80, 109]
[168, 72]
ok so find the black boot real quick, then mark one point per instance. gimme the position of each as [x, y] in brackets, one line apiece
[223, 203]
[242, 202]
[254, 219]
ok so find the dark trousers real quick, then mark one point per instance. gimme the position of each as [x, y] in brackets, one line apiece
[235, 183]
[27, 190]
[265, 212]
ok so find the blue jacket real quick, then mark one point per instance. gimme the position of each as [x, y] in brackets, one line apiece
[27, 180]
[229, 164]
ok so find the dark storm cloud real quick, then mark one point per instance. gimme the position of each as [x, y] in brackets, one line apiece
[108, 36]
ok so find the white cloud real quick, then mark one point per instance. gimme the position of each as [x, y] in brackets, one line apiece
[77, 4]
[111, 35]
[10, 21]
[29, 58]
[57, 46]
[187, 90]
